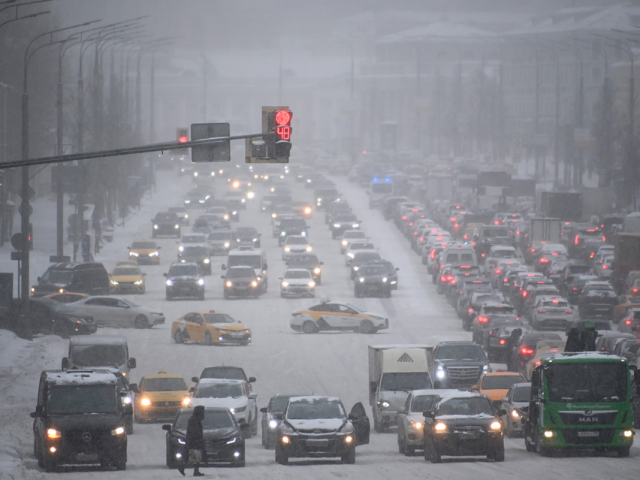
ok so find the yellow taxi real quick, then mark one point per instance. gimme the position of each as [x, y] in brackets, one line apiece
[544, 349]
[210, 328]
[496, 385]
[127, 278]
[145, 251]
[160, 396]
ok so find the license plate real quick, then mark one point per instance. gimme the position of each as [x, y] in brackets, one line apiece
[87, 457]
[237, 335]
[318, 443]
[588, 434]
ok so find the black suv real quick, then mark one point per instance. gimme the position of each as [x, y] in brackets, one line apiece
[80, 419]
[89, 278]
[197, 254]
[459, 364]
[463, 424]
[247, 237]
[292, 226]
[310, 262]
[166, 223]
[223, 439]
[371, 278]
[184, 280]
[342, 222]
[240, 281]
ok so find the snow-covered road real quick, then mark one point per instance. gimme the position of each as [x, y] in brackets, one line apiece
[280, 359]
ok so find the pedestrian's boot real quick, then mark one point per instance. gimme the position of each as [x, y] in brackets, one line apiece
[181, 470]
[197, 472]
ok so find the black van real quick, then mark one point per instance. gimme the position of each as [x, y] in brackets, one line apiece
[89, 278]
[80, 419]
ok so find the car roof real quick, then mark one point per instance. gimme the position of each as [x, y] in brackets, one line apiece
[502, 374]
[98, 340]
[220, 380]
[163, 374]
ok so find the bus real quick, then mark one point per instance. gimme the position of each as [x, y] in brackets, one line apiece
[581, 400]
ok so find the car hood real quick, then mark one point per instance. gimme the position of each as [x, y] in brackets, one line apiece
[460, 363]
[144, 251]
[496, 394]
[396, 398]
[298, 282]
[320, 423]
[90, 421]
[228, 402]
[372, 314]
[229, 326]
[185, 277]
[126, 278]
[470, 420]
[165, 396]
[219, 433]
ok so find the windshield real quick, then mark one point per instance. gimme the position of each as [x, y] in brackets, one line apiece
[232, 373]
[315, 409]
[183, 270]
[165, 217]
[98, 355]
[504, 254]
[79, 399]
[296, 241]
[372, 270]
[239, 272]
[218, 318]
[354, 235]
[465, 406]
[195, 252]
[212, 420]
[461, 352]
[522, 394]
[422, 403]
[62, 277]
[218, 390]
[500, 382]
[279, 404]
[143, 245]
[361, 246]
[304, 260]
[220, 236]
[367, 257]
[298, 274]
[246, 231]
[127, 271]
[164, 385]
[405, 381]
[495, 232]
[587, 382]
[253, 261]
[382, 188]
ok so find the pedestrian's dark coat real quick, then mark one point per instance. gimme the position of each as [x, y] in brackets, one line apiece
[195, 437]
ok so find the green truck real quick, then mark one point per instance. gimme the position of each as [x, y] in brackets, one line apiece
[581, 400]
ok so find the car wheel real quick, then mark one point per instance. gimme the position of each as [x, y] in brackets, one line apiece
[387, 294]
[141, 322]
[208, 340]
[623, 451]
[178, 336]
[350, 457]
[169, 297]
[435, 456]
[281, 457]
[39, 455]
[366, 326]
[201, 295]
[170, 460]
[498, 453]
[60, 330]
[121, 465]
[309, 327]
[409, 450]
[226, 295]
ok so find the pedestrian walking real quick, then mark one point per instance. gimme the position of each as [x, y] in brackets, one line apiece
[195, 441]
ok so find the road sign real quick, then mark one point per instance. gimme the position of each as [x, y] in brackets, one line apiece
[18, 241]
[216, 152]
[30, 193]
[29, 209]
[16, 256]
[57, 259]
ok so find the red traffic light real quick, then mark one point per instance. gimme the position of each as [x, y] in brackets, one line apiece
[283, 117]
[183, 139]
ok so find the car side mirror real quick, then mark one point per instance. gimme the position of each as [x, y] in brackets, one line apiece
[129, 248]
[166, 427]
[165, 274]
[474, 387]
[195, 379]
[263, 410]
[222, 277]
[224, 267]
[278, 416]
[252, 379]
[37, 413]
[159, 248]
[321, 263]
[429, 414]
[397, 269]
[502, 412]
[134, 387]
[66, 363]
[144, 274]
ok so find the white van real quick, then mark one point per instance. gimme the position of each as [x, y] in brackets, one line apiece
[378, 190]
[254, 258]
[91, 351]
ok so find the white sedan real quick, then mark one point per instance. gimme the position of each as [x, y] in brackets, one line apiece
[330, 315]
[295, 244]
[297, 282]
[355, 247]
[117, 312]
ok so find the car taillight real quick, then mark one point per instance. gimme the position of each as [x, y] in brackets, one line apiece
[533, 250]
[470, 310]
[483, 255]
[452, 219]
[605, 267]
[526, 351]
[628, 321]
[456, 225]
[568, 311]
[503, 341]
[497, 222]
[542, 311]
[577, 239]
[449, 277]
[443, 278]
[544, 260]
[525, 293]
[538, 363]
[422, 239]
[433, 254]
[498, 272]
[575, 288]
[635, 290]
[505, 280]
[483, 319]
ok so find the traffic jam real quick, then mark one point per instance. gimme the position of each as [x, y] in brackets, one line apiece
[543, 320]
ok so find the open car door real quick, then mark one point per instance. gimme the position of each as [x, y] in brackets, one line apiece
[360, 421]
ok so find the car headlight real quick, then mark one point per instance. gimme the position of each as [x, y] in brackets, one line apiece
[242, 200]
[145, 402]
[286, 429]
[336, 225]
[232, 440]
[229, 284]
[226, 217]
[114, 282]
[126, 400]
[361, 279]
[440, 372]
[53, 433]
[287, 249]
[355, 225]
[155, 254]
[250, 195]
[201, 281]
[195, 174]
[155, 227]
[307, 210]
[317, 270]
[486, 369]
[118, 431]
[254, 284]
[385, 279]
[186, 215]
[285, 284]
[417, 425]
[138, 282]
[181, 441]
[238, 240]
[201, 201]
[169, 282]
[308, 249]
[187, 201]
[356, 268]
[206, 260]
[273, 424]
[181, 248]
[226, 244]
[274, 215]
[344, 243]
[234, 213]
[515, 414]
[254, 240]
[495, 426]
[134, 254]
[186, 401]
[319, 200]
[351, 255]
[440, 427]
[282, 234]
[176, 226]
[312, 284]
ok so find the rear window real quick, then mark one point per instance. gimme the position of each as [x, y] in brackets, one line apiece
[522, 394]
[498, 310]
[143, 245]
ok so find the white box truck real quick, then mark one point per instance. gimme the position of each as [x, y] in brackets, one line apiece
[394, 371]
[542, 231]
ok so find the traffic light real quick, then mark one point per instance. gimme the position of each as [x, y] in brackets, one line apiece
[280, 126]
[182, 136]
[30, 237]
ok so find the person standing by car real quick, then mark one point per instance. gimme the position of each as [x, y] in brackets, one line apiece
[195, 441]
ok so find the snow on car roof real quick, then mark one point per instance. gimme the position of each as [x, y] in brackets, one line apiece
[313, 398]
[80, 377]
[98, 340]
[220, 380]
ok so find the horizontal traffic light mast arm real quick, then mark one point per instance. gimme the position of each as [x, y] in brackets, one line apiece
[155, 147]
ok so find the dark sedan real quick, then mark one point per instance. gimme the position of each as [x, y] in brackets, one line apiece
[597, 298]
[166, 223]
[371, 279]
[50, 317]
[343, 222]
[310, 262]
[198, 254]
[223, 440]
[269, 423]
